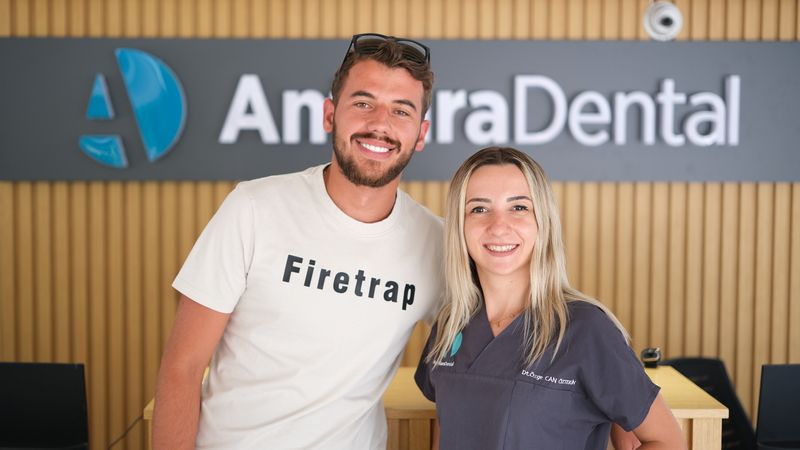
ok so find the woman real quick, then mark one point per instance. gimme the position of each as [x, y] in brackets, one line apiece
[517, 359]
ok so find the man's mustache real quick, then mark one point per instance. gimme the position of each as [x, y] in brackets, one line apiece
[392, 142]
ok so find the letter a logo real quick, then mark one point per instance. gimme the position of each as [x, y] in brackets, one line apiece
[158, 102]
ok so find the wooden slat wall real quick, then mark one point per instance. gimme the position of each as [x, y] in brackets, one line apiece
[697, 268]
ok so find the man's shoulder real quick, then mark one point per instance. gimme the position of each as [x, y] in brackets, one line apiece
[419, 214]
[266, 186]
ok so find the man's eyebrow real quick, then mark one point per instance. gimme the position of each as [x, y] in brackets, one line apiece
[401, 101]
[408, 103]
[362, 94]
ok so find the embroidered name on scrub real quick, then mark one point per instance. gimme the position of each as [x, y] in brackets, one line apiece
[340, 282]
[551, 379]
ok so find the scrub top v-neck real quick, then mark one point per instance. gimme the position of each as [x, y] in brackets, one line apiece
[487, 400]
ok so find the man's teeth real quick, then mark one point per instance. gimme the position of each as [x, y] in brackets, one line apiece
[375, 148]
[501, 248]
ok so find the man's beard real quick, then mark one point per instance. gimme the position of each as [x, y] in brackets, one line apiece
[358, 177]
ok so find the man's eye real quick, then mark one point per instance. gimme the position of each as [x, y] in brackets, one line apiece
[402, 113]
[361, 105]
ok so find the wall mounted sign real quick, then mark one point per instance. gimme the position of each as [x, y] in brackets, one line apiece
[159, 109]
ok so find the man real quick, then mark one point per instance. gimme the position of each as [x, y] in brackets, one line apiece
[305, 287]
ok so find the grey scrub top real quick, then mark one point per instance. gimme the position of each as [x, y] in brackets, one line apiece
[486, 399]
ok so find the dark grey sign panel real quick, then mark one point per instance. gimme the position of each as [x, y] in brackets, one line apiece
[82, 108]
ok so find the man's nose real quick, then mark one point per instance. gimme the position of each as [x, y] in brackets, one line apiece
[378, 120]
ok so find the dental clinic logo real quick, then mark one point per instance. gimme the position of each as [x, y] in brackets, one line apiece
[159, 106]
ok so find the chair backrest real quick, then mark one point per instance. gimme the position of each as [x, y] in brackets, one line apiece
[43, 405]
[779, 404]
[710, 375]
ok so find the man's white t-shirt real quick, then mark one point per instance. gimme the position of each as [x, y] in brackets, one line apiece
[321, 308]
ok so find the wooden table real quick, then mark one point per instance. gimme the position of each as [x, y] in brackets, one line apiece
[410, 415]
[699, 414]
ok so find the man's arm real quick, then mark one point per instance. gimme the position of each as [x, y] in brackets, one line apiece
[194, 337]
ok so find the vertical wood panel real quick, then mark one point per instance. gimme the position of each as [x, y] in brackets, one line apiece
[794, 276]
[62, 331]
[169, 257]
[659, 267]
[204, 21]
[151, 283]
[762, 301]
[716, 24]
[134, 367]
[79, 265]
[5, 17]
[769, 21]
[693, 269]
[676, 266]
[712, 233]
[58, 19]
[97, 364]
[729, 276]
[114, 18]
[571, 223]
[779, 325]
[115, 298]
[8, 268]
[589, 245]
[24, 281]
[607, 245]
[40, 16]
[624, 276]
[187, 14]
[540, 12]
[745, 283]
[696, 23]
[788, 20]
[641, 267]
[43, 292]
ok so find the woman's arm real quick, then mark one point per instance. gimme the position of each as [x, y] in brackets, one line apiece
[660, 430]
[623, 440]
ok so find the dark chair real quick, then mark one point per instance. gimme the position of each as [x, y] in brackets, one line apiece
[711, 376]
[779, 407]
[43, 406]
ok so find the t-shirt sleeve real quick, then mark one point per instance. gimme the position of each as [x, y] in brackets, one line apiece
[215, 272]
[614, 379]
[423, 374]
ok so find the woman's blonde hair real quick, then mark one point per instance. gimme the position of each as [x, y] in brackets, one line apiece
[546, 315]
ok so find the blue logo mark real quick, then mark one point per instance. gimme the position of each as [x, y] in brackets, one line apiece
[456, 344]
[159, 106]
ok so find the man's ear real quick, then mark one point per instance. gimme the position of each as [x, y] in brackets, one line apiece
[327, 115]
[423, 131]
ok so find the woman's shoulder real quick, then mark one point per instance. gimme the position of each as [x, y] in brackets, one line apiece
[587, 320]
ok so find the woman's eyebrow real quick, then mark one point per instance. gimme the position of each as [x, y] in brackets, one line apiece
[518, 197]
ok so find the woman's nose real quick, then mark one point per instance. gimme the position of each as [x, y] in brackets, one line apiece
[498, 224]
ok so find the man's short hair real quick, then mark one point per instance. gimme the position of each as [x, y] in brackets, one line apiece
[389, 53]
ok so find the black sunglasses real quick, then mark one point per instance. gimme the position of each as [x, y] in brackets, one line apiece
[370, 43]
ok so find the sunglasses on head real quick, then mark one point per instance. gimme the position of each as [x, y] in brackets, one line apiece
[370, 43]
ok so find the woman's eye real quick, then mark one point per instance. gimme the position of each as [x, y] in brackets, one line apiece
[520, 208]
[478, 209]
